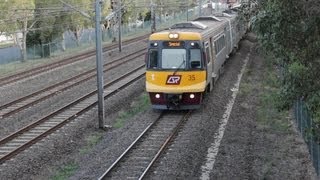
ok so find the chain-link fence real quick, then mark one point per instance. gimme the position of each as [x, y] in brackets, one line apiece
[67, 45]
[70, 44]
[305, 126]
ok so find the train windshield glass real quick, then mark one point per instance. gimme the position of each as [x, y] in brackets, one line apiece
[153, 59]
[195, 58]
[173, 58]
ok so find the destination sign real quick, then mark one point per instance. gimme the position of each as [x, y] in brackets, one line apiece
[173, 44]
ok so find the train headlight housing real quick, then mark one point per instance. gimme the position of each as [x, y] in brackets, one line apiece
[194, 45]
[192, 96]
[173, 35]
[157, 96]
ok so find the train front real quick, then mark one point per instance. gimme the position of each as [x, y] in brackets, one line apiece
[176, 73]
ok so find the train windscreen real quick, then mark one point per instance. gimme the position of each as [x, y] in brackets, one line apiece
[195, 58]
[174, 58]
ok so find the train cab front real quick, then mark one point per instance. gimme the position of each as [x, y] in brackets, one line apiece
[175, 101]
[176, 72]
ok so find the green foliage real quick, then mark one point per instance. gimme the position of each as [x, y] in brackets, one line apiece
[13, 13]
[65, 172]
[268, 114]
[91, 141]
[140, 105]
[290, 29]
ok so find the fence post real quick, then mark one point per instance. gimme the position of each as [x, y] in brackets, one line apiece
[318, 160]
[301, 115]
[49, 44]
[34, 52]
[311, 138]
[42, 51]
[295, 107]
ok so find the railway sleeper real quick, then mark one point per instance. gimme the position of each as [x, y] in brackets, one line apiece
[36, 131]
[29, 135]
[21, 140]
[51, 123]
[13, 144]
[126, 170]
[7, 148]
[42, 128]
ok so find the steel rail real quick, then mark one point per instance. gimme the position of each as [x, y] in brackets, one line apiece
[12, 107]
[61, 116]
[135, 144]
[165, 144]
[43, 68]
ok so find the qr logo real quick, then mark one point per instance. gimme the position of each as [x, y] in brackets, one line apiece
[173, 79]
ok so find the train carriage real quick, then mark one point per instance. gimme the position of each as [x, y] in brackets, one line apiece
[184, 61]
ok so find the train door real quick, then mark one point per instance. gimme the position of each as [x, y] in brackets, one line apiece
[209, 59]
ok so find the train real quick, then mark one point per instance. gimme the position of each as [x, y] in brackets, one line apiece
[184, 61]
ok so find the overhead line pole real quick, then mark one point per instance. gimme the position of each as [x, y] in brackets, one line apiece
[200, 7]
[153, 17]
[99, 61]
[120, 24]
[99, 64]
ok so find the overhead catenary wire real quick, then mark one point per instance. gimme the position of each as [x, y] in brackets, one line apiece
[58, 10]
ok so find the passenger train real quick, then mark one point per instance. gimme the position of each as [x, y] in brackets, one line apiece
[184, 61]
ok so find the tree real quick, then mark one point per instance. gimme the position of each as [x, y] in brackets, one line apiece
[17, 18]
[291, 30]
[77, 22]
[48, 25]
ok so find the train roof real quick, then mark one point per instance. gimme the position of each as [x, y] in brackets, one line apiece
[196, 29]
[164, 35]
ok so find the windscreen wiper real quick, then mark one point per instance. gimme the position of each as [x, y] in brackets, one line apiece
[179, 68]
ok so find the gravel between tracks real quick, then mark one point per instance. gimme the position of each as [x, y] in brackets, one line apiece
[248, 150]
[17, 121]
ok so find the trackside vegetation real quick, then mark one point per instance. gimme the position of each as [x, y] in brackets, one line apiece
[65, 172]
[290, 30]
[141, 104]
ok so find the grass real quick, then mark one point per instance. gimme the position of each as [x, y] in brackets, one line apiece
[268, 114]
[245, 88]
[91, 141]
[10, 68]
[136, 107]
[65, 172]
[68, 170]
[6, 44]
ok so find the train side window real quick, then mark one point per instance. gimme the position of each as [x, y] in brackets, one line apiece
[220, 44]
[216, 47]
[153, 58]
[211, 47]
[223, 41]
[208, 54]
[195, 58]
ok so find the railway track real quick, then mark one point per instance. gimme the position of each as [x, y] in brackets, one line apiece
[140, 156]
[31, 134]
[44, 68]
[29, 100]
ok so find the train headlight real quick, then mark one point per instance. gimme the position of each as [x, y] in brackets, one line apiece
[157, 96]
[194, 45]
[192, 96]
[173, 35]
